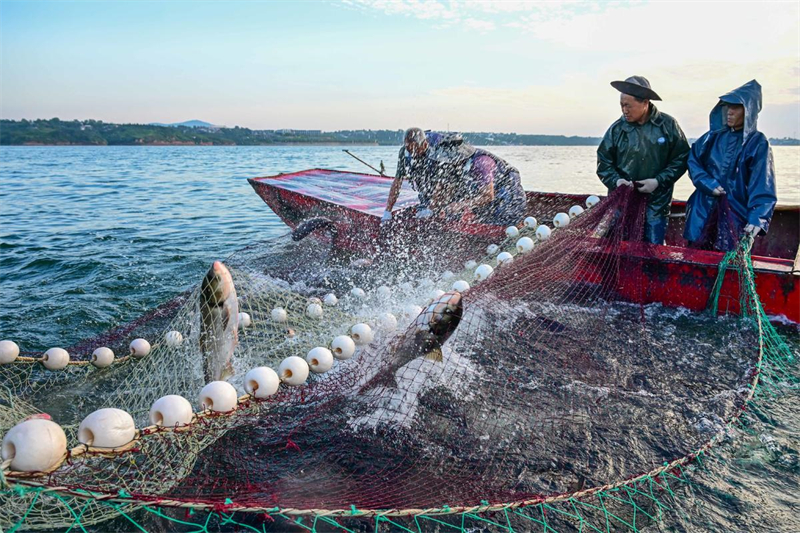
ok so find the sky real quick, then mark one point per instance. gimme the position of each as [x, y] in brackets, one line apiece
[503, 66]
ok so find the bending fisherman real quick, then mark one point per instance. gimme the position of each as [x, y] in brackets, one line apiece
[452, 178]
[487, 187]
[733, 159]
[417, 164]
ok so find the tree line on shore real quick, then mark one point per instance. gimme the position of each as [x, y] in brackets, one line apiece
[95, 132]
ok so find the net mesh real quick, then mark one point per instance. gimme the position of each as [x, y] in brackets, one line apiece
[553, 407]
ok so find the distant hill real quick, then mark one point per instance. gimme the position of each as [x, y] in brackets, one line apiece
[188, 124]
[197, 132]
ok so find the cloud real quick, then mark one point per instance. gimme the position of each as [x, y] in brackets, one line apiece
[691, 52]
[469, 14]
[700, 28]
[482, 26]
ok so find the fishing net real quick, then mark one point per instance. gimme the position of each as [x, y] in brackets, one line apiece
[553, 405]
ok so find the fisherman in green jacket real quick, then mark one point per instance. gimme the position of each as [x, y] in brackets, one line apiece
[646, 149]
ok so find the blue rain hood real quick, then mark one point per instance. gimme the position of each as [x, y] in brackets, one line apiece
[746, 171]
[748, 95]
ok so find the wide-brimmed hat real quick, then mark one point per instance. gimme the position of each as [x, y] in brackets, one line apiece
[637, 86]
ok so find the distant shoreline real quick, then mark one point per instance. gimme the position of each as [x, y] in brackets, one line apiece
[55, 132]
[209, 145]
[206, 145]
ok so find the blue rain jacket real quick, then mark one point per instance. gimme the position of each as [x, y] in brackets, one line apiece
[739, 161]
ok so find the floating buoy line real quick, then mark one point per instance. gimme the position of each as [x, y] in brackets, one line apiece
[37, 446]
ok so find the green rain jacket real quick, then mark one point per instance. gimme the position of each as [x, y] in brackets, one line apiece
[656, 149]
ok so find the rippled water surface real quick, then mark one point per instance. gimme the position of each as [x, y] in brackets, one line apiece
[91, 236]
[94, 236]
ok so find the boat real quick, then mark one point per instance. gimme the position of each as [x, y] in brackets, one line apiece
[674, 275]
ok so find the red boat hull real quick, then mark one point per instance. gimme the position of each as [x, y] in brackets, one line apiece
[673, 275]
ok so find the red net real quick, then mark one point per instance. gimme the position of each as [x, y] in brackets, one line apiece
[542, 385]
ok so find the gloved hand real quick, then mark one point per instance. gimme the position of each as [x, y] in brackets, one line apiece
[387, 216]
[423, 213]
[752, 230]
[647, 186]
[718, 191]
[621, 182]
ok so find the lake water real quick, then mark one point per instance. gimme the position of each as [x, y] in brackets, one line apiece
[91, 237]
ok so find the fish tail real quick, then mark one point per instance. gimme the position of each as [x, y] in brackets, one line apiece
[385, 379]
[435, 355]
[227, 372]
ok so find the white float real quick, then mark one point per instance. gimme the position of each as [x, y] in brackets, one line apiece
[293, 370]
[35, 445]
[426, 283]
[343, 347]
[524, 245]
[171, 411]
[483, 272]
[531, 223]
[561, 220]
[9, 351]
[219, 396]
[314, 310]
[357, 292]
[592, 201]
[319, 360]
[492, 249]
[575, 210]
[107, 428]
[384, 292]
[435, 294]
[330, 300]
[173, 338]
[279, 315]
[387, 322]
[244, 320]
[411, 311]
[361, 334]
[512, 232]
[471, 264]
[406, 287]
[542, 233]
[460, 286]
[55, 359]
[314, 300]
[261, 382]
[102, 357]
[139, 348]
[504, 258]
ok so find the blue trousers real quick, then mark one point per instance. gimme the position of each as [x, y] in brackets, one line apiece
[655, 229]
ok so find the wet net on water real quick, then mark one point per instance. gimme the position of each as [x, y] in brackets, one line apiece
[553, 406]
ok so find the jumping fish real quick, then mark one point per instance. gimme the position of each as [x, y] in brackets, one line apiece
[219, 316]
[429, 332]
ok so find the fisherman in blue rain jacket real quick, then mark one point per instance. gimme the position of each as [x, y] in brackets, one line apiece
[644, 148]
[733, 159]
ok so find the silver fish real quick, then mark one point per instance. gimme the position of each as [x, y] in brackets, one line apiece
[219, 316]
[430, 331]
